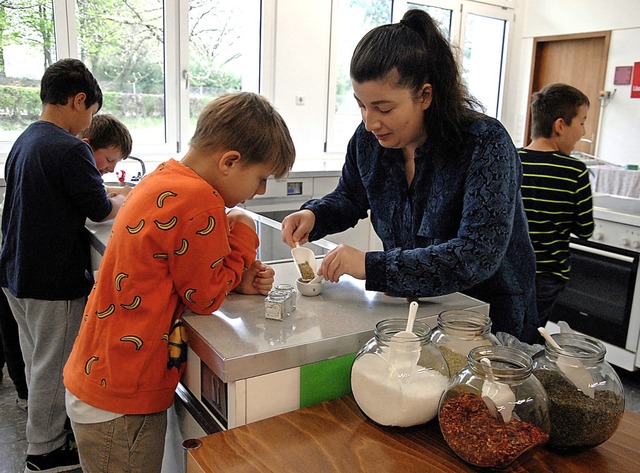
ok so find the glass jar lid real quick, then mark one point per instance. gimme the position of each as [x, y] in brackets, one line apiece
[577, 346]
[386, 329]
[507, 364]
[464, 323]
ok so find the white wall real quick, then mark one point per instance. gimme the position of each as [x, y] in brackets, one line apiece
[619, 140]
[620, 134]
[301, 69]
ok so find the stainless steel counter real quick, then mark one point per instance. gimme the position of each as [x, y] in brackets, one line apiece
[237, 342]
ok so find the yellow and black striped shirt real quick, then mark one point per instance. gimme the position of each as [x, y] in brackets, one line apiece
[557, 199]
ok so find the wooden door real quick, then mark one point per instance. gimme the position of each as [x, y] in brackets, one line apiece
[579, 60]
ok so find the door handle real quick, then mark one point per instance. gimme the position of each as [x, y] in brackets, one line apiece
[185, 76]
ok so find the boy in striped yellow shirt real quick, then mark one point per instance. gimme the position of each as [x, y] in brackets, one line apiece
[555, 187]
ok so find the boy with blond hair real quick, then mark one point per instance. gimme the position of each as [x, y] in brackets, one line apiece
[174, 246]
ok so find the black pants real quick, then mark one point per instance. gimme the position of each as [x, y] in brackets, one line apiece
[10, 352]
[548, 289]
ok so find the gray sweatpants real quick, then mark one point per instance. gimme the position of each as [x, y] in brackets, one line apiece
[47, 332]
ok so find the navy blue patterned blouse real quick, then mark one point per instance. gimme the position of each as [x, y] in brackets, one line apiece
[459, 226]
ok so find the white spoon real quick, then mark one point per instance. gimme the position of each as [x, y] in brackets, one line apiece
[498, 396]
[404, 348]
[316, 280]
[304, 256]
[571, 367]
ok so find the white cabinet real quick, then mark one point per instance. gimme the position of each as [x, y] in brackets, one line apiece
[285, 196]
[362, 236]
[242, 401]
[272, 394]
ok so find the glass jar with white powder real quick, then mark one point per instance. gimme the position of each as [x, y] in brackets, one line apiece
[399, 383]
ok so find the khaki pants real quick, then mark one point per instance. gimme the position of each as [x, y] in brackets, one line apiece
[130, 443]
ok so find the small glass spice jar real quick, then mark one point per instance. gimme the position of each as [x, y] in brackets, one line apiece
[586, 397]
[398, 383]
[494, 412]
[291, 292]
[277, 305]
[457, 332]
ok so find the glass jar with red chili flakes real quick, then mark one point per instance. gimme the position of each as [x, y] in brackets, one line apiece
[495, 412]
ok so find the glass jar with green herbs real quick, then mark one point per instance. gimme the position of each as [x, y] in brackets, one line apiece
[586, 397]
[459, 331]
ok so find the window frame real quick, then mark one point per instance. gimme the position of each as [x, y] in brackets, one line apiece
[501, 9]
[272, 68]
[492, 11]
[176, 68]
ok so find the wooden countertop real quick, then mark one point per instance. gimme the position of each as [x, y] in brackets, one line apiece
[335, 437]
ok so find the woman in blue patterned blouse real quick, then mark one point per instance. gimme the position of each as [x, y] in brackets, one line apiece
[440, 179]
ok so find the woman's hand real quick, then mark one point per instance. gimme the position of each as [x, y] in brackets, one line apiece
[297, 226]
[257, 279]
[343, 260]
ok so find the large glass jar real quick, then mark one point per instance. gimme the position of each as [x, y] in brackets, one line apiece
[399, 383]
[494, 412]
[586, 397]
[459, 331]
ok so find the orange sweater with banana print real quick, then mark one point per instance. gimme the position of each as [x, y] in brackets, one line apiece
[171, 247]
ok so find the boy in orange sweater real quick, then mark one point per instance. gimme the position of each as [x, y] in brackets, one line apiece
[174, 245]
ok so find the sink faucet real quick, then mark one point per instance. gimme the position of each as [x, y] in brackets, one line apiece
[144, 169]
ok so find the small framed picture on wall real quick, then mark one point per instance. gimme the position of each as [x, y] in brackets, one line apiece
[622, 75]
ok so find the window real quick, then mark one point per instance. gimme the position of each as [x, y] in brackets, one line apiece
[224, 51]
[351, 20]
[483, 59]
[157, 61]
[27, 48]
[122, 43]
[160, 61]
[480, 32]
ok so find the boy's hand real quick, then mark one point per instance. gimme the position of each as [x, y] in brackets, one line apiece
[113, 191]
[257, 279]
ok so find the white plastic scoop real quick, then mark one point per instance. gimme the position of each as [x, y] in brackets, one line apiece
[498, 396]
[316, 280]
[404, 349]
[305, 262]
[571, 367]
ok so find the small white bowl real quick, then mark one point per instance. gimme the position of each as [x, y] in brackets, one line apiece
[309, 289]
